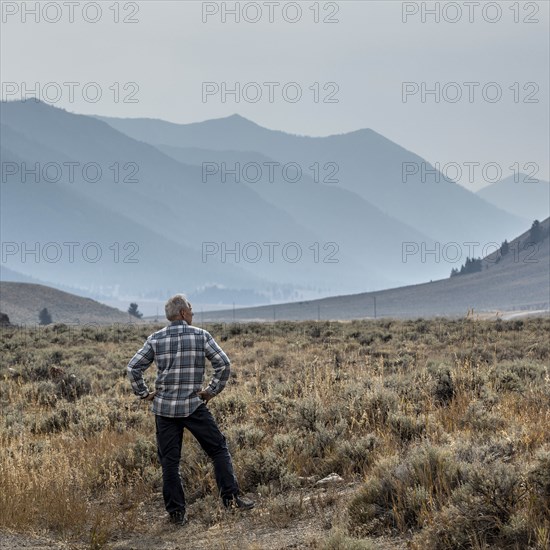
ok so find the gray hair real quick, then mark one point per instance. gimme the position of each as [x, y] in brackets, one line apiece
[174, 305]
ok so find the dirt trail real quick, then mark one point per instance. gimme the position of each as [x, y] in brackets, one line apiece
[259, 529]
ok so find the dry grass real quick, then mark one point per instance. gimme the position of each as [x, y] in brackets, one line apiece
[443, 424]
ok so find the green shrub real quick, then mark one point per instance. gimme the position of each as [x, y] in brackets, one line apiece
[406, 427]
[444, 390]
[398, 493]
[482, 512]
[259, 468]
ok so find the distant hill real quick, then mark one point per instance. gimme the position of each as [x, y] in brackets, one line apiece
[520, 280]
[23, 301]
[520, 195]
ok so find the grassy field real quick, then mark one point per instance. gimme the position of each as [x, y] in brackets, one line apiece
[439, 430]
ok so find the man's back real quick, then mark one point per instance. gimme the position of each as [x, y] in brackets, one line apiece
[179, 351]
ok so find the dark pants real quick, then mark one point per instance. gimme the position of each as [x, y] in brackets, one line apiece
[169, 442]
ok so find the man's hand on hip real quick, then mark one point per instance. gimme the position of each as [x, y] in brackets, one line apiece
[150, 396]
[205, 395]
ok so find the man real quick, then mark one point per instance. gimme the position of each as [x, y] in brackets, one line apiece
[179, 402]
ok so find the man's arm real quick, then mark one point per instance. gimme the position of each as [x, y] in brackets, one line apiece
[139, 363]
[220, 364]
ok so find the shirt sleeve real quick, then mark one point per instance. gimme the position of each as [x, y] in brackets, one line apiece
[139, 363]
[220, 364]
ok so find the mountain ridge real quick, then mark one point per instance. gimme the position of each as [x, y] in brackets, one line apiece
[369, 164]
[517, 193]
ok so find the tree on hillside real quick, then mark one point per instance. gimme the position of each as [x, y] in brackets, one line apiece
[504, 248]
[535, 234]
[44, 317]
[134, 311]
[472, 265]
[4, 320]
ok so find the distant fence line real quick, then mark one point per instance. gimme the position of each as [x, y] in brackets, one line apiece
[67, 327]
[529, 307]
[76, 327]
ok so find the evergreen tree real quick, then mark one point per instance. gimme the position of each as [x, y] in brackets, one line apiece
[505, 247]
[535, 234]
[133, 310]
[44, 317]
[477, 265]
[472, 265]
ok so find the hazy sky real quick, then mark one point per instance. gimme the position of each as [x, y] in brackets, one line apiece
[157, 66]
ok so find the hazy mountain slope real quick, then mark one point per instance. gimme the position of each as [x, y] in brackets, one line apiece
[369, 164]
[22, 302]
[164, 187]
[369, 243]
[9, 275]
[56, 221]
[361, 230]
[52, 214]
[520, 195]
[12, 276]
[169, 198]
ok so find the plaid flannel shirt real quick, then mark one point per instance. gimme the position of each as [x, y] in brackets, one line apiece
[179, 351]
